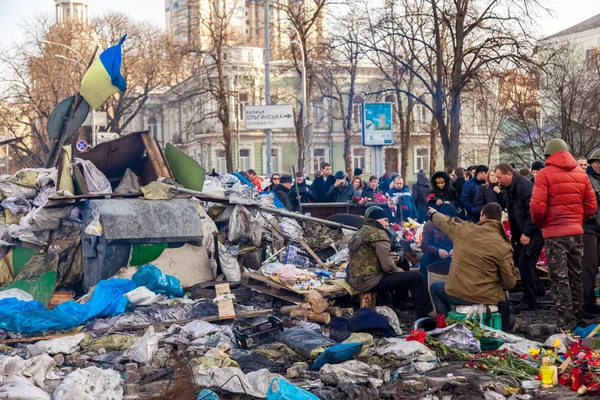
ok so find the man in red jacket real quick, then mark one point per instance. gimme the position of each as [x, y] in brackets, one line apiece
[562, 199]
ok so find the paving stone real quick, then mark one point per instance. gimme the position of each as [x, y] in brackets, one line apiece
[293, 372]
[415, 386]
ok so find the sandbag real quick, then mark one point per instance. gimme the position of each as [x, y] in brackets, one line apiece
[305, 341]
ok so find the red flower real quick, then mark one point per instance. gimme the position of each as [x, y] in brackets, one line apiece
[440, 321]
[430, 197]
[419, 336]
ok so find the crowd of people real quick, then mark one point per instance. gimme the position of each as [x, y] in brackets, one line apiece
[553, 204]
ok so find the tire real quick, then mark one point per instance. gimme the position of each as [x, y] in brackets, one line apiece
[206, 290]
[353, 220]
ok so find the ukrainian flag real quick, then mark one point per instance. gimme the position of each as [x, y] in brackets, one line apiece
[103, 78]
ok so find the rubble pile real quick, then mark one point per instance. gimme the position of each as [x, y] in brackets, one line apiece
[119, 283]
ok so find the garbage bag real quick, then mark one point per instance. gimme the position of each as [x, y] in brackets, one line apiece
[142, 296]
[291, 229]
[233, 380]
[283, 390]
[305, 341]
[337, 354]
[94, 179]
[46, 177]
[16, 293]
[9, 189]
[457, 336]
[26, 235]
[404, 349]
[31, 316]
[154, 279]
[144, 349]
[229, 265]
[354, 371]
[64, 345]
[242, 225]
[207, 394]
[42, 198]
[157, 191]
[91, 383]
[48, 219]
[16, 205]
[213, 188]
[38, 370]
[129, 184]
[17, 387]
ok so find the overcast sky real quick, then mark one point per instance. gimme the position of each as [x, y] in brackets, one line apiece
[13, 12]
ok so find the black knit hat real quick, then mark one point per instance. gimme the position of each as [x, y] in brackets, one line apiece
[481, 168]
[357, 171]
[537, 165]
[286, 179]
[375, 212]
[340, 175]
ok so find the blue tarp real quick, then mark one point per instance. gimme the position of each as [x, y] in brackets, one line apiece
[107, 300]
[153, 278]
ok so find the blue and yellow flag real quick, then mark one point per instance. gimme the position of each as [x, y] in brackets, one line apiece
[103, 78]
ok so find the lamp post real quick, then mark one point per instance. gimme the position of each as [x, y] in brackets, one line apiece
[304, 108]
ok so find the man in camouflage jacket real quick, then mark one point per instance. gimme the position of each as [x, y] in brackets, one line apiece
[371, 260]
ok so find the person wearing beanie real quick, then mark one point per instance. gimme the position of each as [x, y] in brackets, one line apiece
[591, 241]
[482, 267]
[469, 193]
[372, 265]
[536, 166]
[341, 191]
[435, 244]
[526, 238]
[283, 191]
[562, 199]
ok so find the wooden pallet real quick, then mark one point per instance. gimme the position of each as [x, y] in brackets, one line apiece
[265, 285]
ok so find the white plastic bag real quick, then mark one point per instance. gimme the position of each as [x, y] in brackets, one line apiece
[94, 228]
[144, 349]
[95, 180]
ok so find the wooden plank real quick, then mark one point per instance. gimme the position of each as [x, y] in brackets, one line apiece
[156, 156]
[268, 290]
[213, 318]
[278, 290]
[312, 253]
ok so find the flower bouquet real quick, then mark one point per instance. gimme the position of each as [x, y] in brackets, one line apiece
[358, 200]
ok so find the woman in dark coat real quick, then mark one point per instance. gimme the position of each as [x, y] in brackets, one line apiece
[420, 191]
[442, 191]
[490, 193]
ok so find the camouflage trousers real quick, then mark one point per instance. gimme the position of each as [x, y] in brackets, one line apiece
[564, 256]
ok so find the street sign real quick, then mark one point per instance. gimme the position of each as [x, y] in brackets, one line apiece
[377, 128]
[82, 146]
[103, 137]
[100, 119]
[269, 117]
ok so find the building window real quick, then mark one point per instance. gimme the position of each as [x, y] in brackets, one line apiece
[318, 158]
[420, 116]
[221, 164]
[244, 163]
[243, 100]
[359, 157]
[318, 111]
[421, 159]
[153, 127]
[275, 165]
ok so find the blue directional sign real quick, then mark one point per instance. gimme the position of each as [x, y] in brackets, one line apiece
[82, 146]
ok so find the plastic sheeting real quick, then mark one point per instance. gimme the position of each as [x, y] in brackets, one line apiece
[304, 341]
[142, 296]
[457, 336]
[283, 390]
[90, 384]
[153, 278]
[404, 349]
[37, 369]
[129, 184]
[31, 316]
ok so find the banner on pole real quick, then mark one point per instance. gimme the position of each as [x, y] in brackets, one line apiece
[377, 127]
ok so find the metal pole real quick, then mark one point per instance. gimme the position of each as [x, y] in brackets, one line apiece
[94, 139]
[267, 83]
[304, 106]
[6, 159]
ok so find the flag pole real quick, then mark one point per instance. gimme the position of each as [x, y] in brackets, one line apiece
[58, 143]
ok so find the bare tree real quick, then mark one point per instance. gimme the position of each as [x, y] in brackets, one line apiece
[465, 39]
[568, 81]
[306, 20]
